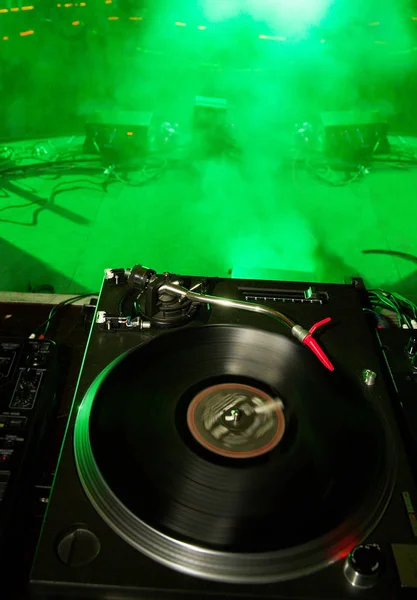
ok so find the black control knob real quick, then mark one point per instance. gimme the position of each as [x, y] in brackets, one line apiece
[29, 378]
[78, 547]
[35, 360]
[411, 347]
[364, 565]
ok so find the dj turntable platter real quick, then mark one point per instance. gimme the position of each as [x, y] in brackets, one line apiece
[231, 454]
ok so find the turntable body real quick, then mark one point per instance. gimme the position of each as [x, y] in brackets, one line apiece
[220, 458]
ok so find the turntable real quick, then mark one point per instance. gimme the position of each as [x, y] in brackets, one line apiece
[217, 447]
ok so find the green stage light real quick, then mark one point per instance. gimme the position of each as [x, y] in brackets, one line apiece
[303, 11]
[221, 10]
[293, 15]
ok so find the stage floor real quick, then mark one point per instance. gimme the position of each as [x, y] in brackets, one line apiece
[211, 217]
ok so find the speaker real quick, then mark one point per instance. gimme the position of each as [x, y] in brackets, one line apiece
[353, 136]
[118, 135]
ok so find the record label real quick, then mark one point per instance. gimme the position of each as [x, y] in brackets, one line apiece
[236, 420]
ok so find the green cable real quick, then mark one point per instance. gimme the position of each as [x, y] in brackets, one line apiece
[383, 300]
[406, 301]
[392, 301]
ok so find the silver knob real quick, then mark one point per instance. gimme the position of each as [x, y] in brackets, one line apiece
[363, 566]
[369, 377]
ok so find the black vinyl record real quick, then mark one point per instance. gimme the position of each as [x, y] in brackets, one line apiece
[313, 483]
